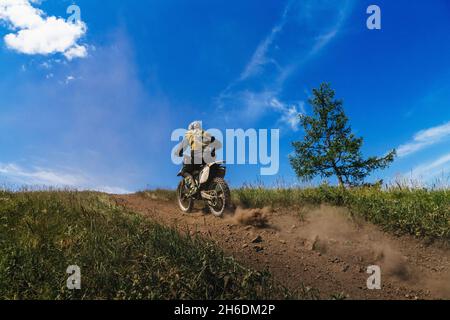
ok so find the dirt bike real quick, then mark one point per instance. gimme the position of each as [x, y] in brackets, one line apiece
[207, 184]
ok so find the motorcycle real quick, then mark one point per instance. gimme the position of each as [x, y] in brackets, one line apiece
[207, 184]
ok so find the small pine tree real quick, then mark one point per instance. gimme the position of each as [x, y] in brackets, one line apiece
[329, 147]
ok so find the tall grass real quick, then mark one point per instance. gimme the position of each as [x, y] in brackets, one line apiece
[121, 254]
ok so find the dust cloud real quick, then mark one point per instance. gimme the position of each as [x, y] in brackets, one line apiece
[251, 217]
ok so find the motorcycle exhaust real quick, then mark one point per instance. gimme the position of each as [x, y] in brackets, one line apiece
[206, 195]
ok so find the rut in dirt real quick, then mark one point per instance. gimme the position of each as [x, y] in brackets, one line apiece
[322, 248]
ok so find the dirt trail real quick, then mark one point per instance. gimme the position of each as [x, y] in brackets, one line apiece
[321, 248]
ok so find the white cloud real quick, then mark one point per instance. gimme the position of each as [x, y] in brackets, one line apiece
[39, 176]
[260, 57]
[424, 138]
[324, 39]
[289, 112]
[432, 172]
[69, 79]
[35, 33]
[252, 105]
[76, 52]
[112, 190]
[16, 174]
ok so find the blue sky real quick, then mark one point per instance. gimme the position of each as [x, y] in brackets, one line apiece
[93, 105]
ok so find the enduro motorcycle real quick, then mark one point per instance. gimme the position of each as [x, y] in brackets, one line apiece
[207, 184]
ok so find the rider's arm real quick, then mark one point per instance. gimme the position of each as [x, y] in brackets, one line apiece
[216, 143]
[181, 148]
[213, 142]
[207, 138]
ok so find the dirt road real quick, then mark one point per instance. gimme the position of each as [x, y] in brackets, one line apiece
[321, 248]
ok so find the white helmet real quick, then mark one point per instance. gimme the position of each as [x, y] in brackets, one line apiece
[196, 125]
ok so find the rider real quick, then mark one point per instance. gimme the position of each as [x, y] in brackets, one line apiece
[198, 141]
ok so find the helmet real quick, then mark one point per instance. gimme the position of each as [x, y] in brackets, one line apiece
[196, 125]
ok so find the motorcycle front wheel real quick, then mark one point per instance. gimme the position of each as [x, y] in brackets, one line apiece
[185, 203]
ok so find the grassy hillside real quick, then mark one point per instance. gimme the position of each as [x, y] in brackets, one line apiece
[124, 256]
[121, 255]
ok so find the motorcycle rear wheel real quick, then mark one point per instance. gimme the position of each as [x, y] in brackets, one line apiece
[223, 197]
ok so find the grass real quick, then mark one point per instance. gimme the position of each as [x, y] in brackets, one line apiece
[121, 254]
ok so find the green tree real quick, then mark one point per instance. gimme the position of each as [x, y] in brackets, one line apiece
[329, 147]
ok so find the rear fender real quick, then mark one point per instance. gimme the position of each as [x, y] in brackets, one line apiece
[217, 171]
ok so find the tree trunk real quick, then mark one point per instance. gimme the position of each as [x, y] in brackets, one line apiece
[338, 175]
[341, 182]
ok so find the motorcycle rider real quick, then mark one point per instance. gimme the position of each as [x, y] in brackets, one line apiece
[200, 143]
[203, 178]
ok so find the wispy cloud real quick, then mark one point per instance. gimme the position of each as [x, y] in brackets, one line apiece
[44, 177]
[259, 88]
[289, 112]
[260, 58]
[430, 171]
[424, 139]
[111, 190]
[39, 176]
[36, 33]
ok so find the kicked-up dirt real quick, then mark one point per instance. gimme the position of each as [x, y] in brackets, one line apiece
[322, 248]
